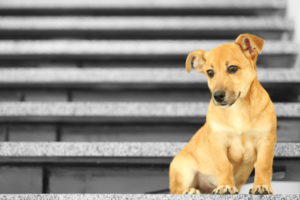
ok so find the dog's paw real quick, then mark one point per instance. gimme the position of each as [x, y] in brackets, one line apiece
[191, 191]
[261, 189]
[227, 189]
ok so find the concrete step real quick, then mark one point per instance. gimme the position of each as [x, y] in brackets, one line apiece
[112, 130]
[141, 83]
[278, 92]
[167, 93]
[136, 196]
[106, 167]
[135, 7]
[144, 27]
[142, 75]
[119, 111]
[127, 47]
[275, 53]
[12, 151]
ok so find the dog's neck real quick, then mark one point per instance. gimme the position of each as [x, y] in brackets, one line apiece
[255, 95]
[255, 100]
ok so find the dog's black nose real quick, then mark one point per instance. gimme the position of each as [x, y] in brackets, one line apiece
[219, 96]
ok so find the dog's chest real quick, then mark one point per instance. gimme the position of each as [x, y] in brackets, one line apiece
[240, 134]
[241, 138]
[240, 126]
[241, 141]
[242, 149]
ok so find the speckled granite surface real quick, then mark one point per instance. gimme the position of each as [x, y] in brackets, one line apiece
[69, 75]
[127, 47]
[277, 4]
[279, 75]
[133, 109]
[146, 23]
[126, 149]
[142, 197]
[280, 196]
[113, 149]
[98, 75]
[287, 110]
[121, 109]
[287, 150]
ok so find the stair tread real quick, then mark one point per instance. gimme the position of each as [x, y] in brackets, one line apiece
[127, 47]
[121, 109]
[167, 4]
[138, 196]
[113, 149]
[161, 75]
[144, 23]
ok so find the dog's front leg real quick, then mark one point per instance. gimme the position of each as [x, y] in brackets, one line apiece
[224, 169]
[263, 167]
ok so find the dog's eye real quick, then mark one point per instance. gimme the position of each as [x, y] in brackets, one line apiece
[232, 69]
[210, 73]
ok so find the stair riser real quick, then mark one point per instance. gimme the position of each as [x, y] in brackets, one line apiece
[140, 34]
[264, 61]
[142, 11]
[181, 94]
[105, 178]
[288, 131]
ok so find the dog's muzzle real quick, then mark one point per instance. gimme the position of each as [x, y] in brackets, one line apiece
[219, 99]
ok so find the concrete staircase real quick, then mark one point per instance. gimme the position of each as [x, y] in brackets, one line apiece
[95, 97]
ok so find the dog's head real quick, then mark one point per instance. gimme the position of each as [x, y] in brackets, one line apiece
[230, 68]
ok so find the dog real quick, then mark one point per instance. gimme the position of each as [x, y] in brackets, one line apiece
[240, 129]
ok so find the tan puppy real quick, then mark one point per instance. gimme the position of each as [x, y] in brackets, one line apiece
[240, 132]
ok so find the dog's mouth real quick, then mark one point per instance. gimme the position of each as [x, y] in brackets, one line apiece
[235, 100]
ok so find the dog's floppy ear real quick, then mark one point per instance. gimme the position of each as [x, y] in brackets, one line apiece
[251, 45]
[198, 58]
